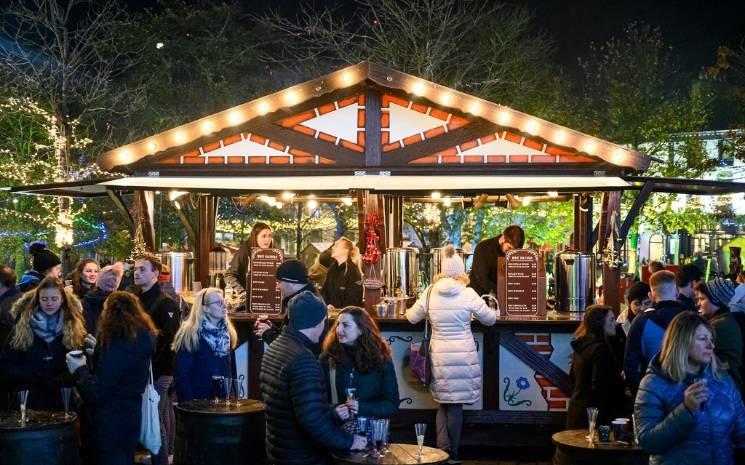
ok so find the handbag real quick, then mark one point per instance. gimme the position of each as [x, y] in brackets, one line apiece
[419, 356]
[150, 422]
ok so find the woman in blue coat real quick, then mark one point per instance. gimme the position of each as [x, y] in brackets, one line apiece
[203, 346]
[113, 391]
[688, 410]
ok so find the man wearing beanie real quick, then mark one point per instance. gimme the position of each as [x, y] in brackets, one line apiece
[713, 297]
[292, 278]
[43, 263]
[108, 281]
[300, 429]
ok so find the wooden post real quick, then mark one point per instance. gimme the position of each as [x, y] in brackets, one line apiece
[582, 236]
[611, 277]
[206, 215]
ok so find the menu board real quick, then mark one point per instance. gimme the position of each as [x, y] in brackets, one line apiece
[264, 295]
[522, 284]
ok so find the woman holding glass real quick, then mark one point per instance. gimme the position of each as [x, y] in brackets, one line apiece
[358, 367]
[688, 410]
[113, 390]
[203, 347]
[49, 322]
[450, 304]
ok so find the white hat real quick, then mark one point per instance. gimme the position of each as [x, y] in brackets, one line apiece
[452, 265]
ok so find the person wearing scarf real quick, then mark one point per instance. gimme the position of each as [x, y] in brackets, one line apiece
[204, 346]
[49, 323]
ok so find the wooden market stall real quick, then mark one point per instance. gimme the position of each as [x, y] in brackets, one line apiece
[383, 137]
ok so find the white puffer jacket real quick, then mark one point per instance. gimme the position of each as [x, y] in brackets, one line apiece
[456, 373]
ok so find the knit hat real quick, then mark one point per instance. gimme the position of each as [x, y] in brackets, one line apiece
[452, 265]
[306, 310]
[292, 271]
[110, 277]
[638, 291]
[719, 291]
[43, 259]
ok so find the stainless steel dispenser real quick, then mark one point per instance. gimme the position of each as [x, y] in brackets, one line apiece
[401, 270]
[182, 269]
[436, 259]
[575, 280]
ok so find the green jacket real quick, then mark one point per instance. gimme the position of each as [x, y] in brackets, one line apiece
[377, 391]
[728, 345]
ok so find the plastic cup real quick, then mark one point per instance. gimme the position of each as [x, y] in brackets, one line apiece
[604, 433]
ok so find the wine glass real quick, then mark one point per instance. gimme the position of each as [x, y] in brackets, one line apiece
[22, 398]
[420, 429]
[66, 392]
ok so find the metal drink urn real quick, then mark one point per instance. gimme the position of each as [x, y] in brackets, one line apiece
[182, 269]
[575, 280]
[401, 268]
[436, 259]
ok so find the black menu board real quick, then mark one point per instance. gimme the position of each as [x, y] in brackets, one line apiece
[522, 273]
[264, 296]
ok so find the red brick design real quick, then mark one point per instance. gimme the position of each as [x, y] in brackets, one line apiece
[557, 400]
[202, 155]
[295, 122]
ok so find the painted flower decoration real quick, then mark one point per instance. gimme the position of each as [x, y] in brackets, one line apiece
[522, 383]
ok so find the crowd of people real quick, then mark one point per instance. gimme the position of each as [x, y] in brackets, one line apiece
[674, 359]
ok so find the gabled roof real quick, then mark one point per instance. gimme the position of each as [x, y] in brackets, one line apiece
[334, 123]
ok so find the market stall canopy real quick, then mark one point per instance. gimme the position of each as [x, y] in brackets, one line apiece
[369, 117]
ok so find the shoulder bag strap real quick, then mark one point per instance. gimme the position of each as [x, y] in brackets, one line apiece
[332, 381]
[426, 313]
[151, 374]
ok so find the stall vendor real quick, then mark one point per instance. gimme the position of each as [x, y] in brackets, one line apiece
[236, 277]
[483, 274]
[343, 285]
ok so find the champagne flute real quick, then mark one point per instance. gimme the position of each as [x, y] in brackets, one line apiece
[228, 387]
[22, 398]
[420, 429]
[66, 392]
[592, 418]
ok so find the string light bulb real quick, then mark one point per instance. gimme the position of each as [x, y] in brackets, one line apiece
[504, 117]
[151, 146]
[179, 137]
[474, 108]
[561, 136]
[618, 157]
[263, 108]
[447, 202]
[590, 147]
[234, 117]
[436, 195]
[347, 201]
[553, 194]
[207, 127]
[418, 88]
[346, 78]
[531, 126]
[287, 196]
[125, 156]
[526, 200]
[291, 97]
[312, 204]
[446, 98]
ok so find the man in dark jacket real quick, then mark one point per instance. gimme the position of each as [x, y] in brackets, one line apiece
[483, 275]
[292, 277]
[8, 295]
[687, 277]
[165, 314]
[648, 328]
[300, 429]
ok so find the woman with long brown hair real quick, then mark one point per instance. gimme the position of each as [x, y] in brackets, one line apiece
[113, 390]
[48, 323]
[84, 277]
[343, 284]
[358, 367]
[595, 371]
[688, 410]
[236, 276]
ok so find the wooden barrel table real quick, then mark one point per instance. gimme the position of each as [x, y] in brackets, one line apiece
[398, 454]
[207, 432]
[45, 437]
[572, 448]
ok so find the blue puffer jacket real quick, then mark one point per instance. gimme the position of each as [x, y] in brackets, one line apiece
[673, 435]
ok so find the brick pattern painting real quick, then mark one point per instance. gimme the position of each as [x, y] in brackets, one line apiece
[556, 400]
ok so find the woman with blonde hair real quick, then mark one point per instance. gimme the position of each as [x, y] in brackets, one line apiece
[49, 322]
[203, 346]
[343, 285]
[113, 390]
[688, 410]
[449, 304]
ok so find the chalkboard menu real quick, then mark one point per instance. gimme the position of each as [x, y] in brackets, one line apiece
[524, 284]
[264, 296]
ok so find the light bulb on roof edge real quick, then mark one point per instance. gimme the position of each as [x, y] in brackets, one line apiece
[234, 117]
[590, 147]
[125, 156]
[504, 117]
[346, 201]
[152, 146]
[526, 200]
[263, 107]
[436, 195]
[561, 136]
[447, 98]
[474, 108]
[312, 204]
[447, 202]
[618, 157]
[532, 126]
[179, 137]
[291, 97]
[288, 195]
[553, 194]
[346, 77]
[207, 126]
[418, 88]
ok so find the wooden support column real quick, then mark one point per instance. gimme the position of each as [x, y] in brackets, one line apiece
[611, 277]
[394, 220]
[119, 204]
[206, 216]
[373, 143]
[582, 236]
[143, 216]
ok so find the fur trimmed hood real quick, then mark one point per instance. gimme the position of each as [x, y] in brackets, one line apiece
[22, 335]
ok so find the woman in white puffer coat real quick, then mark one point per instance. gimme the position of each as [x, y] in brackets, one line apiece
[456, 374]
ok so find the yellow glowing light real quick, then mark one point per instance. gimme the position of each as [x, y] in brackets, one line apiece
[561, 136]
[553, 194]
[173, 195]
[346, 78]
[532, 126]
[526, 200]
[151, 146]
[418, 88]
[286, 196]
[347, 201]
[447, 98]
[447, 202]
[436, 195]
[474, 108]
[590, 147]
[292, 97]
[263, 108]
[312, 204]
[504, 117]
[234, 117]
[179, 137]
[279, 204]
[207, 126]
[618, 157]
[125, 156]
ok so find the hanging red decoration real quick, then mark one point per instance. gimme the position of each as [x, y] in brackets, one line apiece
[372, 249]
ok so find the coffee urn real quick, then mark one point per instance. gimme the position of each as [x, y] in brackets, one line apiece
[400, 269]
[575, 280]
[182, 269]
[436, 259]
